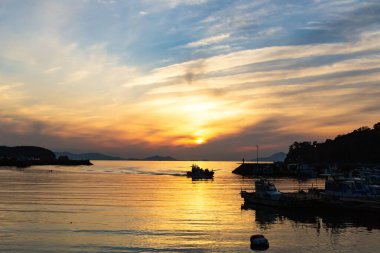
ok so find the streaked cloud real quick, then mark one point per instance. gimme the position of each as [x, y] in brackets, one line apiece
[158, 5]
[164, 79]
[208, 41]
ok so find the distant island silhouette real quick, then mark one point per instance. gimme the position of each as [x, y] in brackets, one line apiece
[24, 156]
[99, 156]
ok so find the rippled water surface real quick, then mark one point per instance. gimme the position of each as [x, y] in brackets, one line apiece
[135, 206]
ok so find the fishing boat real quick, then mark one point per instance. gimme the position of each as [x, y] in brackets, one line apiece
[353, 188]
[199, 173]
[340, 194]
[265, 193]
[354, 194]
[266, 190]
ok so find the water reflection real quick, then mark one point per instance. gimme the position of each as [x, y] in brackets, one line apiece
[267, 216]
[127, 206]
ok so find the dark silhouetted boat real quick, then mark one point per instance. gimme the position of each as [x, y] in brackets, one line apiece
[199, 173]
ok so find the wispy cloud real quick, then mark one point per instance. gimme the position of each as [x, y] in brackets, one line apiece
[268, 32]
[239, 17]
[174, 3]
[254, 81]
[208, 41]
[344, 20]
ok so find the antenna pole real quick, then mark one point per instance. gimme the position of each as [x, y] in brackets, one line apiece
[257, 154]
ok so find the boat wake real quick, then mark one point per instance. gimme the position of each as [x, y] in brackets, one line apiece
[138, 170]
[163, 173]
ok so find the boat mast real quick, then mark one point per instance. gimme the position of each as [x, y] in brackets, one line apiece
[257, 154]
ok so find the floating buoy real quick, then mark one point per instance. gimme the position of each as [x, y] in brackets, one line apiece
[259, 242]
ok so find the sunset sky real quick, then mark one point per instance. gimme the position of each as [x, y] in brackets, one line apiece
[193, 79]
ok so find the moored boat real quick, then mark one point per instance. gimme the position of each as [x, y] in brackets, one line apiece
[266, 189]
[340, 188]
[265, 193]
[353, 194]
[340, 195]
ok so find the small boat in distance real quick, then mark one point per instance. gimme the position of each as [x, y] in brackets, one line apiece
[199, 173]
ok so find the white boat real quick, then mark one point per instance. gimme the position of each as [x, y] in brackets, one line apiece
[266, 190]
[265, 194]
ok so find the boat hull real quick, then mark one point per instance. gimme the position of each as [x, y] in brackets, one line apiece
[298, 201]
[287, 200]
[209, 175]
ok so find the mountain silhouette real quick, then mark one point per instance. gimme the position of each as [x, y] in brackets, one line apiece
[99, 156]
[277, 157]
[88, 156]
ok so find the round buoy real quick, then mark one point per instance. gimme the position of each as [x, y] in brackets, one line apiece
[259, 242]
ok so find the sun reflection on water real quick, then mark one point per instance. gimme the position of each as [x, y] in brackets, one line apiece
[128, 207]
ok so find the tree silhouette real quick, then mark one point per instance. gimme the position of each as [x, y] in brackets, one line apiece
[361, 145]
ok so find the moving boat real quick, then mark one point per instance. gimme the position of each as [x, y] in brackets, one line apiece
[199, 173]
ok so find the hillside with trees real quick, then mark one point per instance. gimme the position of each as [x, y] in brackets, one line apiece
[24, 156]
[26, 153]
[360, 146]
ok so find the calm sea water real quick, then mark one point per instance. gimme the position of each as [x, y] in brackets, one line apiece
[135, 206]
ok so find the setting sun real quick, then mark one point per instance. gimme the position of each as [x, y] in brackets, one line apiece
[199, 140]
